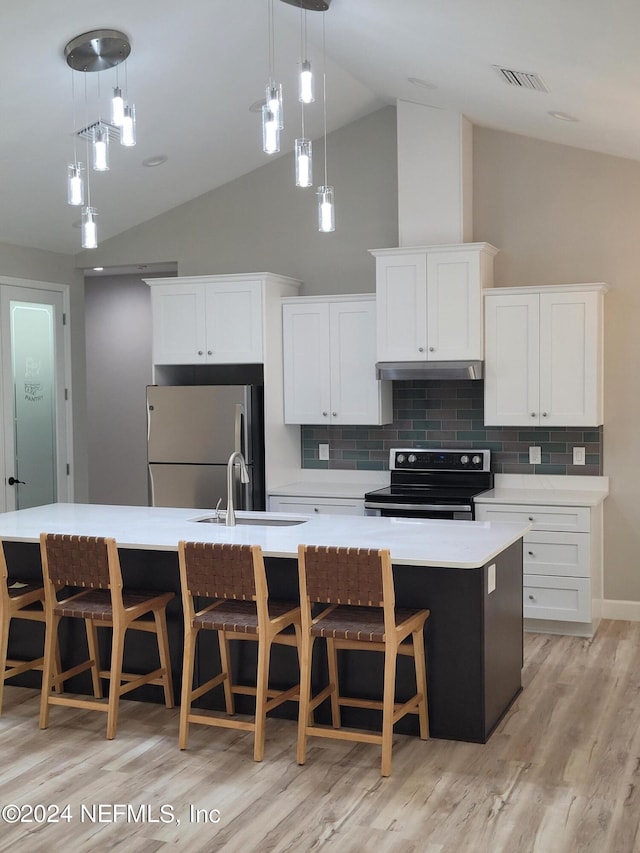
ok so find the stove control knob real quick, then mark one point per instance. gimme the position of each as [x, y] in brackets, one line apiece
[412, 458]
[476, 460]
[464, 459]
[400, 458]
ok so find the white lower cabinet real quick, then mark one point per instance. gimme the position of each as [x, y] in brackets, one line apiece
[315, 506]
[562, 562]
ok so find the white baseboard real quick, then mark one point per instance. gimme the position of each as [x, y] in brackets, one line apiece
[628, 611]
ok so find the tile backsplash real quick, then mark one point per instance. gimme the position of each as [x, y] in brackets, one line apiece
[451, 414]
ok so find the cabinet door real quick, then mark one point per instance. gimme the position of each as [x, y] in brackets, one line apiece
[401, 295]
[178, 324]
[305, 338]
[355, 391]
[511, 384]
[234, 322]
[569, 353]
[454, 306]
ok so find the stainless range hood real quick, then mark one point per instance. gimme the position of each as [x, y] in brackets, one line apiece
[429, 370]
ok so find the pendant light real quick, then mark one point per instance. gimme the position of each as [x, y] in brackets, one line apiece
[96, 51]
[272, 111]
[306, 94]
[326, 206]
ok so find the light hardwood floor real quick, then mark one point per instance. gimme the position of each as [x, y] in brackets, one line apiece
[561, 773]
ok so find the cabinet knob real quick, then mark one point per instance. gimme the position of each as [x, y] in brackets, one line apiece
[530, 518]
[334, 414]
[544, 414]
[420, 349]
[432, 349]
[532, 598]
[325, 414]
[530, 553]
[533, 414]
[200, 352]
[209, 352]
[315, 509]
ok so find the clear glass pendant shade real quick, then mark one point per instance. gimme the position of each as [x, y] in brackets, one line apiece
[128, 128]
[89, 228]
[305, 83]
[304, 164]
[100, 145]
[117, 107]
[75, 184]
[273, 100]
[326, 209]
[270, 131]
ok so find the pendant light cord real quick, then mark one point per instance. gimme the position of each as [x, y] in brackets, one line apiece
[324, 94]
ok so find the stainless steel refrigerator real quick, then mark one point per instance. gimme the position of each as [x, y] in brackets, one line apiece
[191, 432]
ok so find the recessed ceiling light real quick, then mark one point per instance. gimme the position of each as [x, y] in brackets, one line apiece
[256, 106]
[562, 116]
[98, 269]
[423, 84]
[156, 160]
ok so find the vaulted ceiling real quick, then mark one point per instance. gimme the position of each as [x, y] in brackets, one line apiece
[197, 66]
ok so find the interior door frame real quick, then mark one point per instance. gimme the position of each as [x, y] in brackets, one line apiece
[65, 480]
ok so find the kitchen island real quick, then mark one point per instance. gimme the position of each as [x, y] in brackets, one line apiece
[469, 574]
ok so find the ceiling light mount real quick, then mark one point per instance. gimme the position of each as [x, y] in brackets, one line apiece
[97, 50]
[311, 5]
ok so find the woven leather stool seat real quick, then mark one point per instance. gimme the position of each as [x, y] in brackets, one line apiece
[91, 564]
[357, 584]
[18, 600]
[234, 576]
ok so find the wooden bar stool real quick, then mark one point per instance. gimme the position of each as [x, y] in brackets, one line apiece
[234, 576]
[358, 585]
[92, 563]
[17, 600]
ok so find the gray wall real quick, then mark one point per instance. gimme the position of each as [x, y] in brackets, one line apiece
[38, 265]
[564, 215]
[262, 222]
[118, 328]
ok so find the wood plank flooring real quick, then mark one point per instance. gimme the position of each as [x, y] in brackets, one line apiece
[560, 774]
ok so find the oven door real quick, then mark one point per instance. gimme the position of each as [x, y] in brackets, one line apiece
[457, 512]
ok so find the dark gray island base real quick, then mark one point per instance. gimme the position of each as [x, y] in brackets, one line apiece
[473, 641]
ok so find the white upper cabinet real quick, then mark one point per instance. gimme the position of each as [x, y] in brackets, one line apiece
[429, 301]
[209, 319]
[329, 362]
[543, 360]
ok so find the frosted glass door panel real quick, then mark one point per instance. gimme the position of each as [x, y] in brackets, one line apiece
[34, 400]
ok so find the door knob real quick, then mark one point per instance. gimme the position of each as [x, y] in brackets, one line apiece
[14, 482]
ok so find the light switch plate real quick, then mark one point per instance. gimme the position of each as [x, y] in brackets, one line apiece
[323, 451]
[535, 456]
[578, 456]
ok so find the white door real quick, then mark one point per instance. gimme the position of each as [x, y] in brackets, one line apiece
[454, 306]
[35, 457]
[401, 297]
[354, 388]
[305, 340]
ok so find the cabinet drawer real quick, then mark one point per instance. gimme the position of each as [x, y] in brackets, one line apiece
[564, 599]
[570, 518]
[316, 506]
[562, 554]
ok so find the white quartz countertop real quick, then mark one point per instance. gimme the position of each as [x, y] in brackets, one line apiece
[450, 544]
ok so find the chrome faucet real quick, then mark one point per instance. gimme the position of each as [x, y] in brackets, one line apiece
[230, 518]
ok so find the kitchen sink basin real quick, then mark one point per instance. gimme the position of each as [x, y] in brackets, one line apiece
[257, 522]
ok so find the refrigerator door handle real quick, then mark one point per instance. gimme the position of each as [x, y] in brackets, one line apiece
[152, 492]
[238, 442]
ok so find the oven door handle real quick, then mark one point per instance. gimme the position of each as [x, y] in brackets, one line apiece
[420, 507]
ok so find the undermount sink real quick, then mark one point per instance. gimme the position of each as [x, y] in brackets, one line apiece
[258, 522]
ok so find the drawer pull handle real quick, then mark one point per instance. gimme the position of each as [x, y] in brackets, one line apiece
[530, 518]
[532, 598]
[530, 553]
[315, 509]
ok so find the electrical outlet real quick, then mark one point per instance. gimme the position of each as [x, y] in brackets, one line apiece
[323, 451]
[578, 456]
[535, 456]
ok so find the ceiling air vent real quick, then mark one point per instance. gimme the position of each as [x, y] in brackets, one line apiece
[522, 79]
